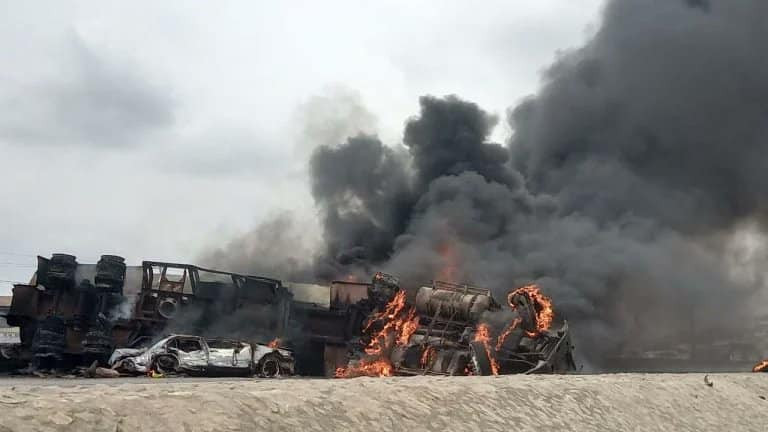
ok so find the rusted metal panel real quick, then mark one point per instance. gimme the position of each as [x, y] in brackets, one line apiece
[24, 303]
[318, 295]
[346, 293]
[335, 357]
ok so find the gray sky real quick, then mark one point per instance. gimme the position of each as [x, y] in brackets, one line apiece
[155, 129]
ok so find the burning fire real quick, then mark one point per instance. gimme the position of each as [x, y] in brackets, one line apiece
[394, 326]
[483, 334]
[375, 368]
[541, 304]
[544, 316]
[503, 336]
[426, 356]
[399, 323]
[450, 268]
[761, 367]
[274, 343]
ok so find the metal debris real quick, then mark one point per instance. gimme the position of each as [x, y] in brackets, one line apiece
[707, 381]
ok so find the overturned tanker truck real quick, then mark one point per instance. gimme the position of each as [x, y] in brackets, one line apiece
[449, 330]
[72, 313]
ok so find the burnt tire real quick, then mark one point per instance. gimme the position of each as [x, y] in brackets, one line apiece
[165, 363]
[269, 366]
[480, 361]
[127, 365]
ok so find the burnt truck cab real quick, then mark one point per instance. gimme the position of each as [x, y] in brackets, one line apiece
[196, 355]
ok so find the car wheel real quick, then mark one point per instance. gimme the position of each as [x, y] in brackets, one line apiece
[269, 366]
[166, 363]
[127, 365]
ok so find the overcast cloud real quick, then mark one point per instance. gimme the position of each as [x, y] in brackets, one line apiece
[154, 130]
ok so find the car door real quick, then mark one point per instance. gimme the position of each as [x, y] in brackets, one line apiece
[243, 356]
[192, 352]
[228, 354]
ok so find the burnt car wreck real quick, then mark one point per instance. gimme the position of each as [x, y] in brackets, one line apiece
[444, 333]
[195, 355]
[71, 314]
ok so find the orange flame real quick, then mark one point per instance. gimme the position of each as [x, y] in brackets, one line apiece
[399, 325]
[426, 356]
[450, 267]
[541, 304]
[503, 336]
[274, 343]
[380, 368]
[761, 367]
[544, 316]
[395, 324]
[483, 334]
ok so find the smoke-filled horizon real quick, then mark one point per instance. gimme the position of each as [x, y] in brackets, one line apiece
[628, 179]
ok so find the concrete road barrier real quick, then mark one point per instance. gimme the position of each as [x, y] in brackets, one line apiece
[621, 402]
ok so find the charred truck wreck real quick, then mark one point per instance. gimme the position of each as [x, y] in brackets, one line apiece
[63, 311]
[445, 333]
[71, 314]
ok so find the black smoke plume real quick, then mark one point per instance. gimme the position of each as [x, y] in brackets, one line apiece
[626, 179]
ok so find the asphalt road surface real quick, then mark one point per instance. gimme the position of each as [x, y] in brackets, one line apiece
[610, 402]
[10, 381]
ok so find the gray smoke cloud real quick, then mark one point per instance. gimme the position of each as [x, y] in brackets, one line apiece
[362, 190]
[662, 116]
[331, 116]
[91, 100]
[276, 248]
[625, 180]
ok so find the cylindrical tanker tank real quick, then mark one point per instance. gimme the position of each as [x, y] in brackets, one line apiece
[451, 305]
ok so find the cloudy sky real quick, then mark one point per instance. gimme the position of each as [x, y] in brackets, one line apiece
[154, 130]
